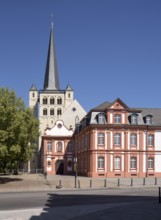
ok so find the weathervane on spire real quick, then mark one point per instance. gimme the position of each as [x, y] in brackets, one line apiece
[52, 23]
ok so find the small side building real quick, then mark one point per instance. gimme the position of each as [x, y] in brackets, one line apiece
[57, 152]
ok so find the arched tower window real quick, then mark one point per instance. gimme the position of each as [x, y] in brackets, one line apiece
[51, 111]
[52, 101]
[33, 94]
[45, 112]
[59, 111]
[45, 101]
[59, 101]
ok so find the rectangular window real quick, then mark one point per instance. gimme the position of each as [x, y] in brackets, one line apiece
[133, 163]
[101, 162]
[117, 139]
[101, 138]
[117, 119]
[150, 140]
[59, 146]
[133, 139]
[117, 163]
[49, 146]
[150, 163]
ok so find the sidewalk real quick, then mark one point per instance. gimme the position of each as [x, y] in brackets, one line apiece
[37, 182]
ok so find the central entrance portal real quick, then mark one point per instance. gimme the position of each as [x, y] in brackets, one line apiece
[59, 167]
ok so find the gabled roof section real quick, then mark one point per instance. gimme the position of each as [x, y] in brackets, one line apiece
[51, 81]
[118, 104]
[33, 88]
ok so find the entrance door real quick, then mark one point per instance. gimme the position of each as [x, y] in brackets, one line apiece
[59, 166]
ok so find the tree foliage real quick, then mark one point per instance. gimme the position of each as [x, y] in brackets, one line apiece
[19, 129]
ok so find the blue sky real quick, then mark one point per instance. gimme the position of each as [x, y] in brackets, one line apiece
[105, 48]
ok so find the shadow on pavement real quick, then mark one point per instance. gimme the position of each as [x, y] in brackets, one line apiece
[97, 207]
[6, 179]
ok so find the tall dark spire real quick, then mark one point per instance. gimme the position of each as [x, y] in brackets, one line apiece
[51, 81]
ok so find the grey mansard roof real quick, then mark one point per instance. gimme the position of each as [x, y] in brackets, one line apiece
[51, 81]
[141, 114]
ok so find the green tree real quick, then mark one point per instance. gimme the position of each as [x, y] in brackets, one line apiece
[19, 130]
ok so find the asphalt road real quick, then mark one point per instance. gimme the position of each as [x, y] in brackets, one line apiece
[136, 203]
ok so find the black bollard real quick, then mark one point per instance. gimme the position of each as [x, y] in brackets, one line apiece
[131, 181]
[118, 184]
[105, 183]
[90, 183]
[159, 196]
[144, 181]
[79, 184]
[155, 181]
[60, 184]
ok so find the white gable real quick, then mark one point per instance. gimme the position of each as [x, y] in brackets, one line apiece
[59, 130]
[74, 110]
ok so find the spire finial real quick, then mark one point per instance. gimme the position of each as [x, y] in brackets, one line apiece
[52, 23]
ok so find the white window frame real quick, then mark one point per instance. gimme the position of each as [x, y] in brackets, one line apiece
[150, 140]
[133, 139]
[133, 162]
[101, 162]
[117, 139]
[151, 163]
[49, 146]
[117, 118]
[101, 138]
[117, 163]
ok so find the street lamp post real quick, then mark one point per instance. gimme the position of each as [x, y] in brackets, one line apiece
[75, 158]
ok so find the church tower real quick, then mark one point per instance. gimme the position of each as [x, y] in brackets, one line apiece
[53, 100]
[51, 103]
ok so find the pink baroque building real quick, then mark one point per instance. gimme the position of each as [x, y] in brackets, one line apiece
[114, 140]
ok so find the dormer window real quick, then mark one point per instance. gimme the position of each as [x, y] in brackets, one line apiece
[101, 118]
[134, 119]
[149, 119]
[117, 118]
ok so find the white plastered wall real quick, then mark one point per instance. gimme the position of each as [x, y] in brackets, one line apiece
[158, 154]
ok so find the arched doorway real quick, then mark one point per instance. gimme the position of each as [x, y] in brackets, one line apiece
[59, 167]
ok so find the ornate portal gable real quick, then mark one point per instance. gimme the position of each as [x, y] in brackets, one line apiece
[58, 130]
